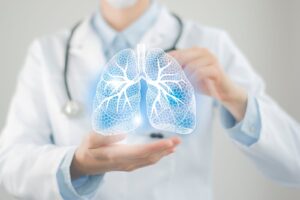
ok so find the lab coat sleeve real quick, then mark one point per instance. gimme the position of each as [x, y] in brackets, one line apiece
[28, 159]
[247, 131]
[83, 188]
[275, 145]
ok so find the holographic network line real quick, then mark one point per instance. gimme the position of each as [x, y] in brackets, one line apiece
[170, 97]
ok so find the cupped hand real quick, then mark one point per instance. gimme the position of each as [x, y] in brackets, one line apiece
[99, 154]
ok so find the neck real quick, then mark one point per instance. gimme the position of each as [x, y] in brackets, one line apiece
[119, 19]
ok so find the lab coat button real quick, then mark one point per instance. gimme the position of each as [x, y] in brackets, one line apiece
[157, 135]
[252, 129]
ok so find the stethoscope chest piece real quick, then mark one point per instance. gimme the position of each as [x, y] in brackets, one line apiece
[72, 109]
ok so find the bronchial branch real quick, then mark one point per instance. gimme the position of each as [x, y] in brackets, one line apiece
[170, 98]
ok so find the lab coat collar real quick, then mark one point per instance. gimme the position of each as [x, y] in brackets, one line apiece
[160, 35]
[164, 31]
[87, 45]
[133, 33]
[138, 28]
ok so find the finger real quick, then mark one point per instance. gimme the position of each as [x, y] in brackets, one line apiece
[199, 74]
[205, 73]
[212, 89]
[134, 152]
[161, 153]
[141, 150]
[196, 64]
[176, 140]
[95, 140]
[184, 56]
[153, 159]
[155, 148]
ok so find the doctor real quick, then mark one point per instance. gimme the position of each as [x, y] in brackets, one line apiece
[47, 155]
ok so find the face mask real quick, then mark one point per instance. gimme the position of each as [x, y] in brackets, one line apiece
[121, 4]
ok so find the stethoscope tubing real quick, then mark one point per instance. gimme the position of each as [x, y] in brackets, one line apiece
[67, 59]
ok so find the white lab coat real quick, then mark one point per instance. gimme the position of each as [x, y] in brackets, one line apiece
[37, 135]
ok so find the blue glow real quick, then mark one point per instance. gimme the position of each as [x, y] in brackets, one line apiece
[157, 92]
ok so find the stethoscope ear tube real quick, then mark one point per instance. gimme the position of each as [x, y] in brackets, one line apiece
[73, 108]
[67, 56]
[179, 34]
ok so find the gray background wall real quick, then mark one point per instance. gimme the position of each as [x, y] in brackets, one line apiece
[266, 30]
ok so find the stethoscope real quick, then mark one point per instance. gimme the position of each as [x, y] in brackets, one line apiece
[73, 108]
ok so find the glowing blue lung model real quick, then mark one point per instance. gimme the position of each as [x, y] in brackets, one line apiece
[170, 98]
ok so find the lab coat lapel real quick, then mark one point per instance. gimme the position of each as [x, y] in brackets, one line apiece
[87, 45]
[161, 34]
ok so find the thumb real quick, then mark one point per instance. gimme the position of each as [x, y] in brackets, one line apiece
[96, 140]
[173, 53]
[212, 89]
